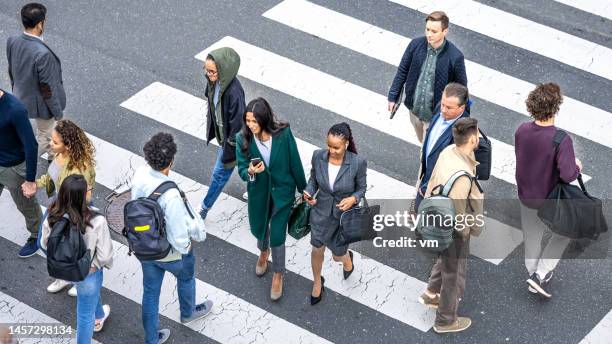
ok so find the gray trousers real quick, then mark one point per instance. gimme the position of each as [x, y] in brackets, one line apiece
[537, 258]
[12, 178]
[448, 278]
[278, 253]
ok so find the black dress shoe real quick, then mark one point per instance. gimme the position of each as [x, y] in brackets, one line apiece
[348, 273]
[315, 300]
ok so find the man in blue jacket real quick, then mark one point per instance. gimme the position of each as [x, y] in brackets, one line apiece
[455, 104]
[428, 65]
[18, 160]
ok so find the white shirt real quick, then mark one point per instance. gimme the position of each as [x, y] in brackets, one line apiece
[31, 35]
[265, 148]
[332, 172]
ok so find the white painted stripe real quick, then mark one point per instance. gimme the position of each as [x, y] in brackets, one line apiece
[601, 333]
[387, 290]
[342, 97]
[602, 8]
[183, 111]
[233, 320]
[499, 88]
[13, 311]
[520, 32]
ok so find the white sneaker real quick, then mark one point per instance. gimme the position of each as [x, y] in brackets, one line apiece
[245, 196]
[57, 286]
[72, 292]
[98, 327]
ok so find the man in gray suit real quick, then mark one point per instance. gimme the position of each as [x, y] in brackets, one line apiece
[36, 74]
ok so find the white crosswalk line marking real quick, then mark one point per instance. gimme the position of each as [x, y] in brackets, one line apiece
[233, 320]
[187, 113]
[183, 111]
[342, 97]
[601, 333]
[520, 32]
[13, 311]
[602, 8]
[374, 285]
[496, 87]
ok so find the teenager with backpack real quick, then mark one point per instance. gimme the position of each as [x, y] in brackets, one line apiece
[447, 279]
[539, 168]
[81, 258]
[167, 236]
[73, 154]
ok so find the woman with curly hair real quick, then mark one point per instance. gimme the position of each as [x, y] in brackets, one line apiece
[539, 167]
[74, 154]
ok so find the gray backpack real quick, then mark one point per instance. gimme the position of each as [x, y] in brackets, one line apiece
[436, 225]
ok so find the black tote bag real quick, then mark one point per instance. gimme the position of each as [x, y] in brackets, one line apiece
[571, 212]
[356, 224]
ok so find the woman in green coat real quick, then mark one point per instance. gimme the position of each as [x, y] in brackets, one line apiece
[268, 160]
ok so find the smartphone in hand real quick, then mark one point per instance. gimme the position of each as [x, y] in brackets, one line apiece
[255, 161]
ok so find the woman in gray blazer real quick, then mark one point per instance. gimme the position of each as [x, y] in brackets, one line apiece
[338, 176]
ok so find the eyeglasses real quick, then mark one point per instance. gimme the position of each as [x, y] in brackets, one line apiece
[210, 72]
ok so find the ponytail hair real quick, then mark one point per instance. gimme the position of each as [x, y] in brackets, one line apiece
[344, 130]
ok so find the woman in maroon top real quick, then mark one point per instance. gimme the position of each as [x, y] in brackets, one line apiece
[539, 167]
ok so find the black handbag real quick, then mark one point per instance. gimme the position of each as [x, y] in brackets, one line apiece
[356, 224]
[483, 156]
[569, 210]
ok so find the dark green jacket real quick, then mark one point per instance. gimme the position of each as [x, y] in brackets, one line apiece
[277, 184]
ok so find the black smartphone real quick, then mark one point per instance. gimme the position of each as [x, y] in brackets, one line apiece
[255, 161]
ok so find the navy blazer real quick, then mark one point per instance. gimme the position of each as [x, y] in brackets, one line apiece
[445, 140]
[351, 181]
[450, 67]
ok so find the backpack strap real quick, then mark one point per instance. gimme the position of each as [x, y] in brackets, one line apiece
[449, 184]
[165, 186]
[557, 139]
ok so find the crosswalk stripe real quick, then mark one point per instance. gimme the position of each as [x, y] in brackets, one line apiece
[520, 32]
[602, 8]
[164, 104]
[15, 312]
[600, 334]
[484, 82]
[185, 112]
[387, 290]
[337, 95]
[233, 320]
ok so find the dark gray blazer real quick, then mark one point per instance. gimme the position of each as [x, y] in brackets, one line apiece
[36, 76]
[351, 181]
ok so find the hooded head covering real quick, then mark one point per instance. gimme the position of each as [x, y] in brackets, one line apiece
[227, 61]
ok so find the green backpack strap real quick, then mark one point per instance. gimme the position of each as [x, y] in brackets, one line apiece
[449, 184]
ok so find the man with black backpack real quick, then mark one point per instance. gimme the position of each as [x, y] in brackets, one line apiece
[454, 177]
[160, 224]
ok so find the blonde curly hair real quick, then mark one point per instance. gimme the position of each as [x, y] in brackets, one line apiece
[81, 150]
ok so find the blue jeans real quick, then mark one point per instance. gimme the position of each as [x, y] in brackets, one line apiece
[219, 178]
[152, 278]
[89, 307]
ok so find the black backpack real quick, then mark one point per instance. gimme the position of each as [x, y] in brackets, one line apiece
[68, 257]
[145, 226]
[569, 210]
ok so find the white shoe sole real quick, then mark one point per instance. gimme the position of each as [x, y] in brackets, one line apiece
[55, 291]
[98, 328]
[430, 305]
[539, 289]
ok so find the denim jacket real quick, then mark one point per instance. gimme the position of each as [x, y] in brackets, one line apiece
[181, 228]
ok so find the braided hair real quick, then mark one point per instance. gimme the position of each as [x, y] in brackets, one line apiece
[344, 130]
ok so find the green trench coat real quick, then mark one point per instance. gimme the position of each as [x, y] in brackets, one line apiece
[277, 182]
